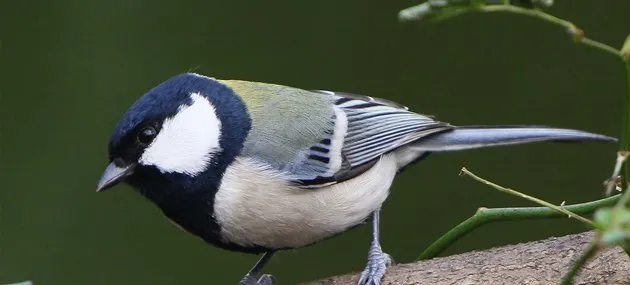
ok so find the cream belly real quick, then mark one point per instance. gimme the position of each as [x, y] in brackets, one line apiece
[255, 206]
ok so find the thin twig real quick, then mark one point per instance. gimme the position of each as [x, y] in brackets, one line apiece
[612, 181]
[528, 12]
[600, 46]
[419, 12]
[485, 216]
[577, 33]
[530, 198]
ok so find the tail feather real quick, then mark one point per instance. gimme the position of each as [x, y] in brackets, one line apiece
[470, 137]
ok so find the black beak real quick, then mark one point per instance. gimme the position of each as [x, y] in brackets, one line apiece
[113, 175]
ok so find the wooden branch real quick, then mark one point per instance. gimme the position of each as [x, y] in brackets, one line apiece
[538, 262]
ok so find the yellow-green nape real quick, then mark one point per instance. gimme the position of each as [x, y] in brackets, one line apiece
[256, 94]
[253, 94]
[268, 101]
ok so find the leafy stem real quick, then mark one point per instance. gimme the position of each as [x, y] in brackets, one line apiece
[485, 216]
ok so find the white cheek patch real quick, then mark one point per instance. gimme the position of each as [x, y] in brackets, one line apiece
[188, 141]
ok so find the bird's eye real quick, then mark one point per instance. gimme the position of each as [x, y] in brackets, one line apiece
[146, 136]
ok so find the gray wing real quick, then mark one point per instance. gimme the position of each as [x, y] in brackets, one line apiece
[363, 129]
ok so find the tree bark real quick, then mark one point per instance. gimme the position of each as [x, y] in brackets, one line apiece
[539, 262]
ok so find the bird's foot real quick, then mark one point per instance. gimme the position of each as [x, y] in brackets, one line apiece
[378, 261]
[265, 279]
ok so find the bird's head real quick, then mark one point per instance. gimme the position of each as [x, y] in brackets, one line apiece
[179, 136]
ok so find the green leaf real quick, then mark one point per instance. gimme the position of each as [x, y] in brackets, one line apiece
[615, 225]
[603, 217]
[612, 237]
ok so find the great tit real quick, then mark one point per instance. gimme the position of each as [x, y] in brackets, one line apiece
[256, 167]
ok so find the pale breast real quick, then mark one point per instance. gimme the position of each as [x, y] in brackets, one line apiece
[255, 206]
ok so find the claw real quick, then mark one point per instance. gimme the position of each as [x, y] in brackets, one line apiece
[265, 279]
[375, 269]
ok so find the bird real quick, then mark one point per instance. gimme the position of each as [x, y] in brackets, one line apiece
[259, 168]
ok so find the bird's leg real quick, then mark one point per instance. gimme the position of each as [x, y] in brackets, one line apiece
[377, 259]
[251, 278]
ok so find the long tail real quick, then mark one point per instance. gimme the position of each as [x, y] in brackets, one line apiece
[470, 137]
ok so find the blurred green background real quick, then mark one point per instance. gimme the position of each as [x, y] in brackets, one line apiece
[71, 68]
